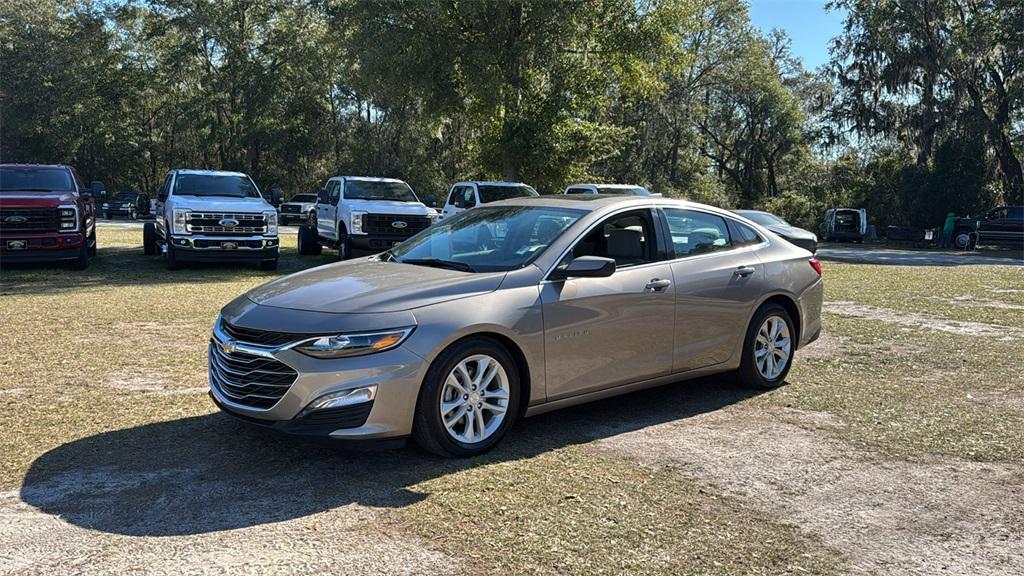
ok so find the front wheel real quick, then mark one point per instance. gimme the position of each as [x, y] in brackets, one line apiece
[469, 399]
[344, 245]
[172, 258]
[768, 348]
[962, 239]
[149, 247]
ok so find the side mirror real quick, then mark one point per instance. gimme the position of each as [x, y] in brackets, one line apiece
[276, 196]
[585, 267]
[431, 202]
[321, 196]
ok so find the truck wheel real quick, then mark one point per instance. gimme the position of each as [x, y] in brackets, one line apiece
[268, 265]
[149, 239]
[81, 261]
[172, 261]
[962, 239]
[344, 245]
[309, 245]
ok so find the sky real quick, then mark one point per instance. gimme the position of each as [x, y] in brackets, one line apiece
[807, 22]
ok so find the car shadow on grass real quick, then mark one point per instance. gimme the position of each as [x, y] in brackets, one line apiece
[209, 473]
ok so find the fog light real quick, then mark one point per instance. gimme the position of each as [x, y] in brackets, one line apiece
[182, 242]
[342, 398]
[69, 240]
[271, 243]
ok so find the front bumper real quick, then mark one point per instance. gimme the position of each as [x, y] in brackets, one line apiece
[45, 247]
[376, 242]
[214, 248]
[397, 374]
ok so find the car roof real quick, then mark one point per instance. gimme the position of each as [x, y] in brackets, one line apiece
[490, 183]
[209, 172]
[750, 212]
[606, 185]
[597, 202]
[32, 165]
[370, 179]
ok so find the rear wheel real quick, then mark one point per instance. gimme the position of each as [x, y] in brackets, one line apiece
[469, 399]
[768, 348]
[149, 239]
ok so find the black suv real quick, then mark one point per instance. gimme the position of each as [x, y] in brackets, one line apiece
[1002, 226]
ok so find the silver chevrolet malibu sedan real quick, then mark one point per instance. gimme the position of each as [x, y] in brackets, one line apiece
[513, 309]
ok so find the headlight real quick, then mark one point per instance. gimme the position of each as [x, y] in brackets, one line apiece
[68, 218]
[270, 217]
[105, 205]
[344, 345]
[357, 223]
[181, 221]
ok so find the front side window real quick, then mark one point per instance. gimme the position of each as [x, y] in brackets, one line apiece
[376, 190]
[220, 185]
[696, 232]
[626, 238]
[487, 239]
[333, 191]
[33, 179]
[491, 193]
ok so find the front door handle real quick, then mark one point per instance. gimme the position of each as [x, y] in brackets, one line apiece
[657, 285]
[744, 271]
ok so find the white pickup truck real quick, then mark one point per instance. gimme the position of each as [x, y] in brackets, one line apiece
[363, 213]
[206, 215]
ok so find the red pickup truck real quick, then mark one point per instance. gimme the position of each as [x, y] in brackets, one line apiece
[46, 215]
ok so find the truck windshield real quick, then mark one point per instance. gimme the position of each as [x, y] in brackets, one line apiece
[303, 198]
[374, 190]
[492, 193]
[125, 196]
[33, 179]
[227, 185]
[487, 239]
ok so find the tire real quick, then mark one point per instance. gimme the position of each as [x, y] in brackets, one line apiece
[81, 261]
[268, 265]
[429, 429]
[309, 244]
[149, 247]
[344, 244]
[962, 239]
[172, 261]
[93, 244]
[749, 373]
[132, 215]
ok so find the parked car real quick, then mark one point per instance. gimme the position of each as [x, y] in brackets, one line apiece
[628, 189]
[358, 212]
[512, 309]
[466, 195]
[803, 238]
[46, 215]
[212, 216]
[298, 208]
[1001, 226]
[845, 224]
[128, 205]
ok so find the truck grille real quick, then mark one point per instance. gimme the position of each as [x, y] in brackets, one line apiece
[261, 337]
[290, 208]
[29, 219]
[385, 224]
[212, 223]
[249, 380]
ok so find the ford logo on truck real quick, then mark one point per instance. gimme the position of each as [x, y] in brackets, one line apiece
[399, 224]
[15, 219]
[228, 222]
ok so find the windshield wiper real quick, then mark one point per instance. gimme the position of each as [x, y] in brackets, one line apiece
[438, 263]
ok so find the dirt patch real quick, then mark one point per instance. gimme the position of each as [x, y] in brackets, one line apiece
[974, 302]
[148, 384]
[922, 321]
[890, 517]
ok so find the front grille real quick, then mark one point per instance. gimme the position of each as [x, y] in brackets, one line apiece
[203, 243]
[261, 337]
[385, 224]
[292, 208]
[29, 220]
[249, 380]
[210, 223]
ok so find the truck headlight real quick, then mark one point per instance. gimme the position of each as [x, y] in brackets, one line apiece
[270, 218]
[105, 205]
[68, 218]
[181, 221]
[356, 344]
[357, 223]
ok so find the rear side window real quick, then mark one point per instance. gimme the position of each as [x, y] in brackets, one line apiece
[745, 235]
[696, 232]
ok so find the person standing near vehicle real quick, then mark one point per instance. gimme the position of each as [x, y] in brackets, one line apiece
[947, 230]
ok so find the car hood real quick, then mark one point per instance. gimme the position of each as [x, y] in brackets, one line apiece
[388, 206]
[793, 232]
[371, 286]
[219, 204]
[36, 199]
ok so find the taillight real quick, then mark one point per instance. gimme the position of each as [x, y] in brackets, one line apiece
[816, 265]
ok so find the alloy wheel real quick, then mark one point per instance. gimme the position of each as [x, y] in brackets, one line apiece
[772, 347]
[474, 400]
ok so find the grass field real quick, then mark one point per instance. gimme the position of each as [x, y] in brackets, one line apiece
[889, 430]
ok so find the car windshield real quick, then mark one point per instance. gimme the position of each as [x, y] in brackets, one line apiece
[492, 193]
[126, 196]
[303, 198]
[632, 191]
[376, 190]
[488, 239]
[764, 218]
[32, 179]
[228, 185]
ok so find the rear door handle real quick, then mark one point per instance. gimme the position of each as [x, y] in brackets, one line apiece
[744, 271]
[657, 285]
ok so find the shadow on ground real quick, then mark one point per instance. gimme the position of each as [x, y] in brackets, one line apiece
[209, 473]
